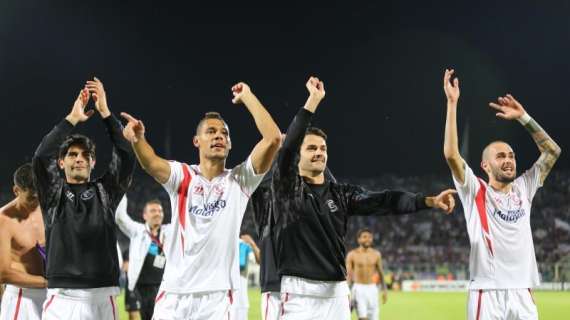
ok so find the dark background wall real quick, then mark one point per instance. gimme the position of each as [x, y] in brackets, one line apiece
[382, 63]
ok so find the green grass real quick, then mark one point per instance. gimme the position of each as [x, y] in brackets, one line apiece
[429, 306]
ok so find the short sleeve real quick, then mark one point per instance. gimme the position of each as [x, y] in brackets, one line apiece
[246, 177]
[467, 190]
[176, 177]
[530, 181]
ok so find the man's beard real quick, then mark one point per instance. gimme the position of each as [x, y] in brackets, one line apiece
[502, 178]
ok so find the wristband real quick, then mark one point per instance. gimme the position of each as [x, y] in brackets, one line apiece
[524, 119]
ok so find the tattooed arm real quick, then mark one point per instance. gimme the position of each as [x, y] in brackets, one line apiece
[509, 108]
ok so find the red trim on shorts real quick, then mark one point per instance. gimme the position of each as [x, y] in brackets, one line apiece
[18, 304]
[49, 302]
[182, 199]
[113, 305]
[480, 199]
[231, 296]
[160, 295]
[479, 304]
[531, 296]
[283, 304]
[266, 305]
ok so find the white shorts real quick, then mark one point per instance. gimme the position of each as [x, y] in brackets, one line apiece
[214, 305]
[303, 307]
[240, 307]
[81, 304]
[270, 305]
[22, 303]
[365, 297]
[511, 304]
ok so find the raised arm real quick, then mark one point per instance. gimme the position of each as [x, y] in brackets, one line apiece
[451, 144]
[127, 225]
[380, 270]
[287, 165]
[121, 168]
[154, 165]
[264, 152]
[389, 202]
[10, 275]
[44, 162]
[510, 109]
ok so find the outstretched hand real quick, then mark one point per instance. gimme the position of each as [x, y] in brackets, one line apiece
[451, 89]
[508, 108]
[444, 201]
[78, 113]
[134, 130]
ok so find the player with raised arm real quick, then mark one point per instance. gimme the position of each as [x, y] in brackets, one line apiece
[208, 202]
[502, 261]
[312, 215]
[81, 240]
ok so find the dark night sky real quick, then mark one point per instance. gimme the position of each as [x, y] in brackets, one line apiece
[382, 64]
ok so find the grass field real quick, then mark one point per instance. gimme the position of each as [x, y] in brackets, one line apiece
[431, 306]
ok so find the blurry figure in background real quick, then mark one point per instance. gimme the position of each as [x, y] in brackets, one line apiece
[146, 256]
[364, 266]
[246, 247]
[21, 262]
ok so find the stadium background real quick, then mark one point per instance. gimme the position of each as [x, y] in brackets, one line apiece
[382, 63]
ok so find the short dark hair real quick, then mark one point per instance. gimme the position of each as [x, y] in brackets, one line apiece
[152, 201]
[361, 231]
[77, 140]
[317, 132]
[210, 115]
[24, 178]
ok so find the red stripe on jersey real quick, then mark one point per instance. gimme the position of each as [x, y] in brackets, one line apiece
[480, 199]
[182, 200]
[479, 304]
[18, 304]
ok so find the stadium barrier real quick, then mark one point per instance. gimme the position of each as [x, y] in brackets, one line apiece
[455, 286]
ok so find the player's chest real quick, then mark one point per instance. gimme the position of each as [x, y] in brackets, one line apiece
[365, 261]
[26, 235]
[507, 208]
[208, 199]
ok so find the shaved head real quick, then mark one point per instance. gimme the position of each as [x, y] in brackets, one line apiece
[498, 161]
[488, 151]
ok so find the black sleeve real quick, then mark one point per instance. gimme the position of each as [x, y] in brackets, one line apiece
[119, 174]
[46, 171]
[386, 202]
[287, 170]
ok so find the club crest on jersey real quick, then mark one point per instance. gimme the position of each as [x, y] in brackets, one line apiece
[87, 194]
[332, 206]
[218, 190]
[511, 216]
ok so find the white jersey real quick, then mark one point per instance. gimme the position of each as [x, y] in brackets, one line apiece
[206, 218]
[502, 251]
